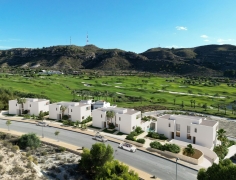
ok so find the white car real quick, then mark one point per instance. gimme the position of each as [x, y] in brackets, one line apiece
[128, 147]
[42, 124]
[100, 138]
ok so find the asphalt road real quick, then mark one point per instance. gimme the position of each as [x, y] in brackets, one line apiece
[149, 163]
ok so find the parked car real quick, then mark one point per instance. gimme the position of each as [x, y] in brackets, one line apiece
[128, 147]
[42, 124]
[100, 138]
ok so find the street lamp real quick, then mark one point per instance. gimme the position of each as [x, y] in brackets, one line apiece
[42, 132]
[176, 167]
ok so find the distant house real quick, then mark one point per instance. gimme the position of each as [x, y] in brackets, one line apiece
[125, 120]
[32, 106]
[76, 111]
[100, 104]
[191, 129]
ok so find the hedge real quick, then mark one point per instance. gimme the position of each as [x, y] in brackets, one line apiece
[166, 147]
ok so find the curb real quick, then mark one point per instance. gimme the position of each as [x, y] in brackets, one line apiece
[114, 141]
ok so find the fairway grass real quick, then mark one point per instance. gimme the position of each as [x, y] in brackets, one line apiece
[59, 88]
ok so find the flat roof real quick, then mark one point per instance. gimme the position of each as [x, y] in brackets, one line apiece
[129, 111]
[167, 116]
[208, 123]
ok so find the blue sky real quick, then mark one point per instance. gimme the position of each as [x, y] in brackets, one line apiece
[131, 25]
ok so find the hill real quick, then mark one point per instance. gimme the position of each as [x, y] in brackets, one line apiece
[202, 60]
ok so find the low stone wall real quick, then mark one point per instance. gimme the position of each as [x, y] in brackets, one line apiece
[134, 143]
[180, 156]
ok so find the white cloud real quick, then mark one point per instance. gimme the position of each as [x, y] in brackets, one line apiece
[223, 41]
[206, 40]
[204, 36]
[181, 28]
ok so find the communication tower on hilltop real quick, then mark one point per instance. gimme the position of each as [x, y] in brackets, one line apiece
[87, 39]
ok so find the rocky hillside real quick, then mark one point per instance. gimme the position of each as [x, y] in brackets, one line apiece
[203, 60]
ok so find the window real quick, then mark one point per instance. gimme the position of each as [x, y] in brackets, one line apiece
[82, 117]
[177, 134]
[188, 129]
[177, 127]
[71, 110]
[101, 115]
[169, 124]
[30, 105]
[116, 125]
[56, 109]
[119, 118]
[133, 127]
[195, 130]
[16, 104]
[87, 108]
[188, 136]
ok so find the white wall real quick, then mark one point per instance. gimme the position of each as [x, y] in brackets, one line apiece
[13, 107]
[163, 127]
[99, 118]
[54, 110]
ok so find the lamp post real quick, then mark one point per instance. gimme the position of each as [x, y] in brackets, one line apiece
[176, 167]
[42, 132]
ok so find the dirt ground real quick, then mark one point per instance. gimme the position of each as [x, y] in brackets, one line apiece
[47, 162]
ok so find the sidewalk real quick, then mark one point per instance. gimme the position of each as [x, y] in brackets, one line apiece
[76, 150]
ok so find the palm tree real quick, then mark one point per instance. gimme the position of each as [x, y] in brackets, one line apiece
[221, 136]
[189, 150]
[174, 100]
[57, 134]
[8, 123]
[21, 101]
[62, 108]
[194, 103]
[191, 101]
[182, 105]
[110, 115]
[73, 92]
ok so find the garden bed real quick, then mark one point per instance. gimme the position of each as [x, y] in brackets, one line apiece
[91, 126]
[134, 142]
[108, 131]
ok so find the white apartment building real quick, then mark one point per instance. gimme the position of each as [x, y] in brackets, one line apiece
[191, 129]
[32, 105]
[76, 111]
[125, 120]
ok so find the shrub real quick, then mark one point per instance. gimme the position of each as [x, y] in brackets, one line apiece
[111, 126]
[138, 130]
[29, 140]
[221, 151]
[61, 149]
[65, 117]
[27, 116]
[156, 145]
[141, 141]
[15, 148]
[130, 137]
[172, 148]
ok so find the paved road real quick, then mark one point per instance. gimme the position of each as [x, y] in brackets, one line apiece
[151, 164]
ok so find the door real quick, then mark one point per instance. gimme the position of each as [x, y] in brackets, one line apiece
[105, 124]
[194, 140]
[172, 135]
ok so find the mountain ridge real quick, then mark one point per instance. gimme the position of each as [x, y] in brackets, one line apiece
[204, 60]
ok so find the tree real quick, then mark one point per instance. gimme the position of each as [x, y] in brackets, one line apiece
[152, 98]
[182, 105]
[189, 150]
[29, 140]
[204, 106]
[92, 160]
[73, 92]
[62, 108]
[21, 101]
[174, 100]
[191, 101]
[41, 115]
[194, 102]
[225, 170]
[115, 170]
[221, 136]
[110, 115]
[8, 123]
[57, 134]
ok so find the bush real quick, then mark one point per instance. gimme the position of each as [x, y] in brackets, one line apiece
[65, 117]
[111, 126]
[27, 116]
[142, 141]
[130, 137]
[29, 140]
[167, 147]
[156, 145]
[221, 151]
[138, 130]
[61, 149]
[15, 148]
[156, 136]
